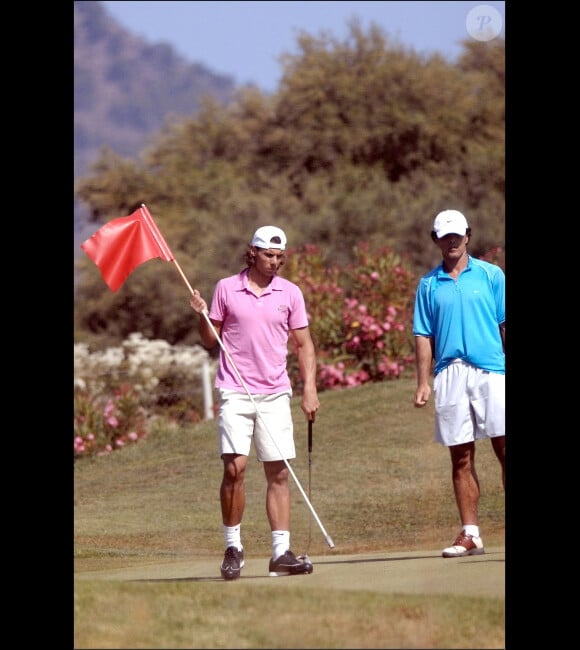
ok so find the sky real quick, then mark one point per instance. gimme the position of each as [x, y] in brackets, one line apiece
[243, 40]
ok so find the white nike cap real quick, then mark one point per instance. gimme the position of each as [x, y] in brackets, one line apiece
[450, 221]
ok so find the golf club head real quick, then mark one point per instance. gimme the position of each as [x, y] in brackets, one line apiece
[305, 560]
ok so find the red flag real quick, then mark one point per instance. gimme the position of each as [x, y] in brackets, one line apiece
[121, 245]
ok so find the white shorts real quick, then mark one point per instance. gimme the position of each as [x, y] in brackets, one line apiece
[272, 430]
[469, 404]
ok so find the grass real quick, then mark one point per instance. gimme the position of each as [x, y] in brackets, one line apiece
[378, 483]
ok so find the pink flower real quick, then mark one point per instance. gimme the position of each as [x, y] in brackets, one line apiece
[109, 408]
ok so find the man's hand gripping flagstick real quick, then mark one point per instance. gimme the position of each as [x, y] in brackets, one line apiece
[123, 244]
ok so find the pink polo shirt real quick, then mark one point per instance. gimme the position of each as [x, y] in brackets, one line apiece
[255, 332]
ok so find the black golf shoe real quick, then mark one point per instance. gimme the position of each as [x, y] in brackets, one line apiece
[290, 565]
[232, 563]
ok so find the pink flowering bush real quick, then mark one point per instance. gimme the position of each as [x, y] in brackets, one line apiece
[103, 423]
[360, 316]
[495, 255]
[361, 320]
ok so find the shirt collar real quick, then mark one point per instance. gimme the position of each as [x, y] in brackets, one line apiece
[242, 283]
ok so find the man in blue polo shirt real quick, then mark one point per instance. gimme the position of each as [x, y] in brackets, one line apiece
[459, 330]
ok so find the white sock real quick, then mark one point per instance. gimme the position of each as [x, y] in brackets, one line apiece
[471, 529]
[280, 543]
[233, 536]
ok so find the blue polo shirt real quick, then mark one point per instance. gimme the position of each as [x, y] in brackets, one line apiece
[463, 315]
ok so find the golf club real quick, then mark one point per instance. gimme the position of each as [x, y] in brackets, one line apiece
[305, 556]
[309, 478]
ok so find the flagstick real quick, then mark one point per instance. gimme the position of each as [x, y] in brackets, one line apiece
[306, 499]
[183, 276]
[206, 316]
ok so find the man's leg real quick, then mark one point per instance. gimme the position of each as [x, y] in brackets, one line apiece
[233, 499]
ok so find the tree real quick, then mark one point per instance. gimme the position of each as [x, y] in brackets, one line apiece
[362, 144]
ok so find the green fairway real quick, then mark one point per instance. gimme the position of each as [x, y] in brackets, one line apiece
[148, 540]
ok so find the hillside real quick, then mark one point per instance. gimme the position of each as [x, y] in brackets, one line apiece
[125, 88]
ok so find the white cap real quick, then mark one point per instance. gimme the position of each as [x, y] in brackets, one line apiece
[269, 237]
[450, 221]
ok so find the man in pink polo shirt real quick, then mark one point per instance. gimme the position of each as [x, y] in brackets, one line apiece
[255, 313]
